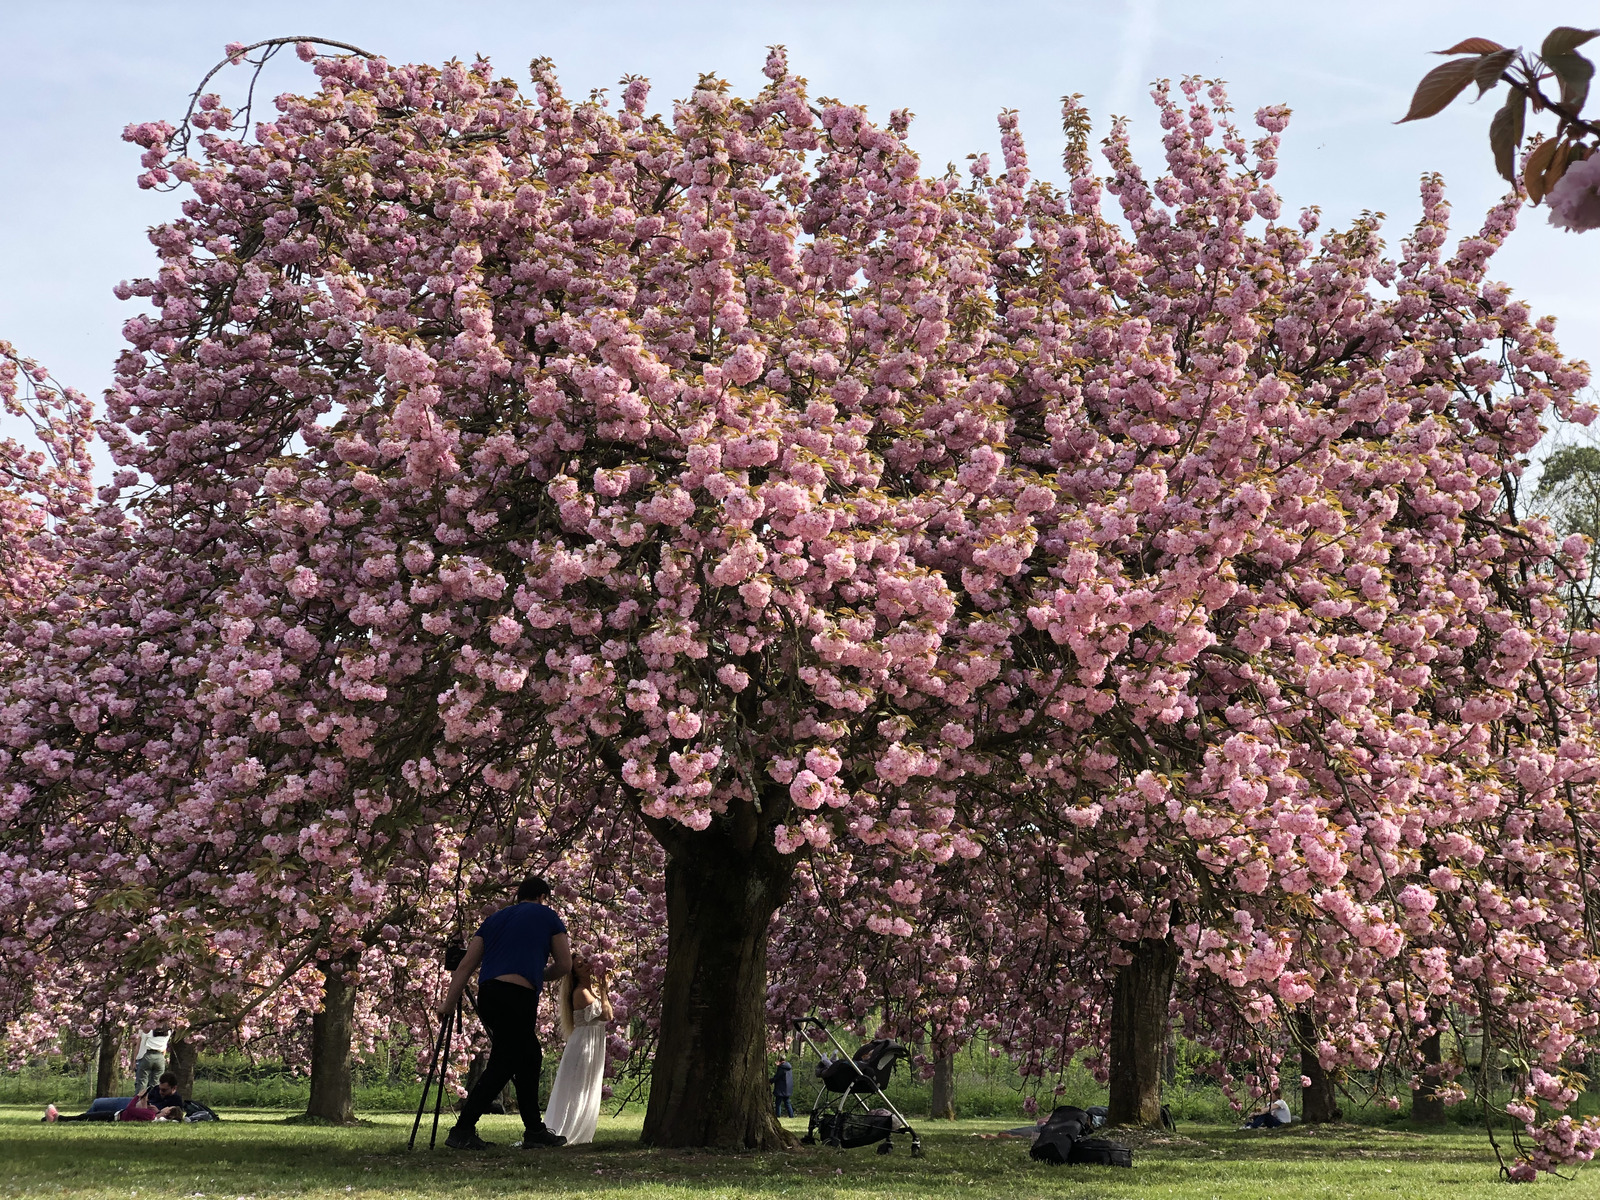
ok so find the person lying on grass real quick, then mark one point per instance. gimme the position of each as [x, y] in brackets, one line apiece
[159, 1103]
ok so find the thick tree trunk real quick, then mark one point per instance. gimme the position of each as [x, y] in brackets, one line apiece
[105, 1074]
[181, 1061]
[1426, 1107]
[708, 1084]
[1319, 1103]
[944, 1087]
[1139, 1004]
[331, 1028]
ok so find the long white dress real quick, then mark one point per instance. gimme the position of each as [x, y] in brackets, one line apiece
[574, 1107]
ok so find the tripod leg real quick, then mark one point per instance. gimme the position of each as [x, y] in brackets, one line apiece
[444, 1070]
[427, 1082]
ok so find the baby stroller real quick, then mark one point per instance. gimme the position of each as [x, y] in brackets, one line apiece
[841, 1117]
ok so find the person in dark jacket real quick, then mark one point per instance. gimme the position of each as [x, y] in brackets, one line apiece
[513, 947]
[783, 1089]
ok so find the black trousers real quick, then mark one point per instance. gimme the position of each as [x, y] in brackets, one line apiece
[511, 1015]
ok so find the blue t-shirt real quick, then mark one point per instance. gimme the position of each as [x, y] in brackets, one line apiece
[516, 941]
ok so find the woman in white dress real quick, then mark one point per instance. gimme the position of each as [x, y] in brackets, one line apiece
[574, 1106]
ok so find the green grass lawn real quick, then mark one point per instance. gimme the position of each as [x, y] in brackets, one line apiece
[255, 1156]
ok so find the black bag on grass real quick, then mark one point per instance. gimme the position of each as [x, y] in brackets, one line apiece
[1054, 1141]
[1099, 1152]
[193, 1110]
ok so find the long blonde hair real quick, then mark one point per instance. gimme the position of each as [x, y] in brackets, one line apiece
[599, 987]
[564, 992]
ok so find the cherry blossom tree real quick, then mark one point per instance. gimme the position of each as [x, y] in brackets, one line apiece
[638, 541]
[1306, 664]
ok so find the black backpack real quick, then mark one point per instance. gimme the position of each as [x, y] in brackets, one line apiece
[195, 1111]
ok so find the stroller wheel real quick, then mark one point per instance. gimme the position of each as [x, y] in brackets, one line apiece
[916, 1147]
[808, 1140]
[885, 1147]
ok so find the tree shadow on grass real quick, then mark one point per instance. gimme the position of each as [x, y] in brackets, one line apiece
[261, 1157]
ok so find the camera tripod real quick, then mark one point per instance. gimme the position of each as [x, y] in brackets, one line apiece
[440, 1062]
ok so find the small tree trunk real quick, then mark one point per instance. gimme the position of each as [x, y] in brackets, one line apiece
[1426, 1106]
[105, 1075]
[944, 1087]
[331, 1028]
[708, 1083]
[475, 1070]
[182, 1057]
[1319, 1103]
[1139, 1004]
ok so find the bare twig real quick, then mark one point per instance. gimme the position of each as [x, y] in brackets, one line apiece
[178, 143]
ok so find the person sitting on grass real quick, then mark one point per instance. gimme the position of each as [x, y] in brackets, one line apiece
[159, 1103]
[1274, 1116]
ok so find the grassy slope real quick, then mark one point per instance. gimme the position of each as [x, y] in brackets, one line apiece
[257, 1157]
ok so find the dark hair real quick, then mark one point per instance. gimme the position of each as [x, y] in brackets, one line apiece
[162, 1032]
[532, 888]
[169, 1077]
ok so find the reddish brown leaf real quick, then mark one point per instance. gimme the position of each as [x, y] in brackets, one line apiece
[1438, 87]
[1558, 168]
[1473, 46]
[1564, 39]
[1487, 71]
[1534, 170]
[1505, 134]
[1574, 72]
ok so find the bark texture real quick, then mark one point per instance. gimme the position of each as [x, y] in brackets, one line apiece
[944, 1087]
[182, 1055]
[105, 1072]
[1319, 1102]
[1139, 1003]
[331, 1078]
[709, 1083]
[1426, 1106]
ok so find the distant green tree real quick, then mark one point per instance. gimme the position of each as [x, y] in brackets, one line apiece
[1569, 492]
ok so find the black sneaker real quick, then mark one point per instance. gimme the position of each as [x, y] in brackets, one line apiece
[539, 1139]
[466, 1139]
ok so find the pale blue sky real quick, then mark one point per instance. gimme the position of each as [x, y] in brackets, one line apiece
[72, 222]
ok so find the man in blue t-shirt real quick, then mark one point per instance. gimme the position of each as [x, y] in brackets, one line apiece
[512, 948]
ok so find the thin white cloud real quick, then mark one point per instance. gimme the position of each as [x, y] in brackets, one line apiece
[1133, 60]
